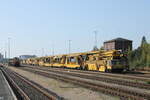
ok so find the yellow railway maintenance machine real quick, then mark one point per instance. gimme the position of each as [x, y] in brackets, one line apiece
[52, 61]
[59, 61]
[35, 61]
[77, 60]
[74, 60]
[42, 61]
[47, 61]
[106, 61]
[29, 61]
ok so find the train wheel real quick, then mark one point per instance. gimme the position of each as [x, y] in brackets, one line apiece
[106, 71]
[86, 67]
[82, 67]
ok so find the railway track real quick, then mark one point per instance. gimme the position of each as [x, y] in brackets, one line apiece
[115, 91]
[99, 78]
[118, 75]
[26, 89]
[137, 77]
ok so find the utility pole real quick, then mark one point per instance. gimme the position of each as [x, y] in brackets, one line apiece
[53, 49]
[5, 50]
[42, 51]
[9, 48]
[95, 32]
[5, 54]
[69, 46]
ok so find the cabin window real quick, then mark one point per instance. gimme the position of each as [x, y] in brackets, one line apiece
[73, 60]
[48, 60]
[57, 60]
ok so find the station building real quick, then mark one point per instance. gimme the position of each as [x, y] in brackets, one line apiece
[118, 44]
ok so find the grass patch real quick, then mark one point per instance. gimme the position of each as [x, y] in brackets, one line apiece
[148, 82]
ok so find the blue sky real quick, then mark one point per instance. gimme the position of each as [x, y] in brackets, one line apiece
[36, 24]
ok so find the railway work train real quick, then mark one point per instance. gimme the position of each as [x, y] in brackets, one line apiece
[14, 62]
[104, 61]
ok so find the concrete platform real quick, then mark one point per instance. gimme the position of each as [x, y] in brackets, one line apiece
[6, 92]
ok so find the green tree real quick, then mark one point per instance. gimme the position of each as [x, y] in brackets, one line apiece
[143, 41]
[140, 57]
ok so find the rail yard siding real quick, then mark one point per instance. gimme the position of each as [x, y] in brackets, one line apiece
[66, 90]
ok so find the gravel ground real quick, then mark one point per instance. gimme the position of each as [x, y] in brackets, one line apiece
[66, 90]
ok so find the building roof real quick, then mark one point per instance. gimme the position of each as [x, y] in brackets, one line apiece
[118, 39]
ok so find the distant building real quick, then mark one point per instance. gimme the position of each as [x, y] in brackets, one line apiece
[1, 56]
[118, 44]
[95, 48]
[27, 56]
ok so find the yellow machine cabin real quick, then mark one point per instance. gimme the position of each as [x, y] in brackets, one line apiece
[74, 60]
[59, 60]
